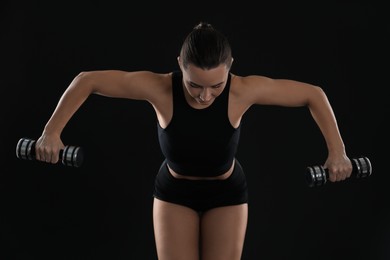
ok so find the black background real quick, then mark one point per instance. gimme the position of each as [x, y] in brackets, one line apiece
[103, 210]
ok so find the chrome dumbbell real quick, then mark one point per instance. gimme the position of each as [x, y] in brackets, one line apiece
[318, 176]
[69, 156]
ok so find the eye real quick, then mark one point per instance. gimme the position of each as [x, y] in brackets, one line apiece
[217, 86]
[193, 85]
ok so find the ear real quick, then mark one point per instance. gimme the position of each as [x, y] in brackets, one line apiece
[179, 61]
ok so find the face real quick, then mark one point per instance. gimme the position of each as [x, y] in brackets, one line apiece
[203, 86]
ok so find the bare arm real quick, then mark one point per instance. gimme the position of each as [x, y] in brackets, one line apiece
[290, 93]
[141, 85]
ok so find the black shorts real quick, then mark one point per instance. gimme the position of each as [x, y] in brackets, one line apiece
[202, 195]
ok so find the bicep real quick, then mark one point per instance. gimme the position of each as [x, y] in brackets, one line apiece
[122, 84]
[281, 92]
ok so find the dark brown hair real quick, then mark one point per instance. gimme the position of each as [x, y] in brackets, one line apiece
[206, 48]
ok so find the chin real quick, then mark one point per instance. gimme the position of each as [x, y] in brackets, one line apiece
[205, 103]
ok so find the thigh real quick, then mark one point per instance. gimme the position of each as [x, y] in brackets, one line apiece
[176, 231]
[223, 232]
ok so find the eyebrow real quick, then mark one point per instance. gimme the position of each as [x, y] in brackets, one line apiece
[197, 85]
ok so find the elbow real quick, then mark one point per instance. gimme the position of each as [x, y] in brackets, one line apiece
[319, 92]
[85, 79]
[317, 95]
[83, 76]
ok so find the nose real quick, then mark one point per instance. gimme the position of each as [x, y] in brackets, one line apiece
[205, 95]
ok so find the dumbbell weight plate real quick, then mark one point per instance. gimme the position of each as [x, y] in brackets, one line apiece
[70, 156]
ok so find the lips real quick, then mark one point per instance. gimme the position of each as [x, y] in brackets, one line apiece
[204, 102]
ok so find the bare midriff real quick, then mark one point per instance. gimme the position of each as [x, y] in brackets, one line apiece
[219, 177]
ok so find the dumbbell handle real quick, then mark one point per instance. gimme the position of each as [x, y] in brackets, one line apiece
[317, 176]
[69, 156]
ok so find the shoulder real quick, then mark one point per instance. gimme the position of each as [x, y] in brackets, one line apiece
[244, 87]
[152, 81]
[249, 81]
[150, 78]
[158, 85]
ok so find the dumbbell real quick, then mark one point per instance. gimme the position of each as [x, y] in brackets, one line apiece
[69, 156]
[318, 176]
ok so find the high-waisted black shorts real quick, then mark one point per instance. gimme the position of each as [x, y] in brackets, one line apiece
[202, 195]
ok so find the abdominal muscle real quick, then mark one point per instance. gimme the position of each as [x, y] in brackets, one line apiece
[219, 177]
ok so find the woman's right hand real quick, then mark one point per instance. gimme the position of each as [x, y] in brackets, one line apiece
[47, 148]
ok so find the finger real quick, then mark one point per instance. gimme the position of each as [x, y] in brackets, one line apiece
[332, 177]
[48, 159]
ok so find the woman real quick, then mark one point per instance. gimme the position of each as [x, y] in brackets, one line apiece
[200, 206]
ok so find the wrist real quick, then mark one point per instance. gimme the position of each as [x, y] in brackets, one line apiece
[51, 131]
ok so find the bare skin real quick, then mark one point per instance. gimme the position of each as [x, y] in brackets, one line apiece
[178, 229]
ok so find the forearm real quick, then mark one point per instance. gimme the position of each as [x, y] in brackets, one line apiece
[73, 97]
[324, 116]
